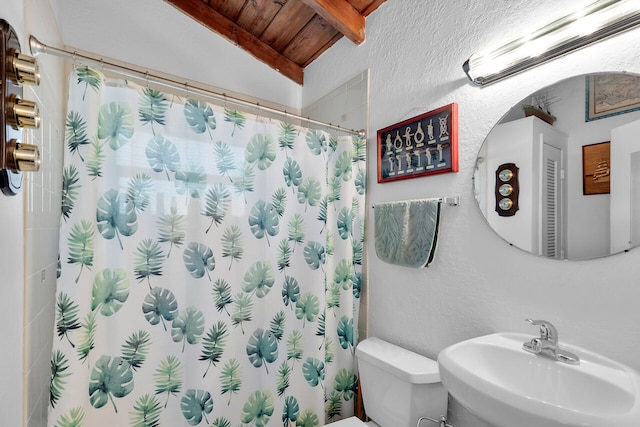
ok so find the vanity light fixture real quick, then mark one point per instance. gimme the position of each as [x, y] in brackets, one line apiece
[597, 21]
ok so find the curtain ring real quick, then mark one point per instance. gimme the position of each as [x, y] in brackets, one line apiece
[258, 108]
[186, 89]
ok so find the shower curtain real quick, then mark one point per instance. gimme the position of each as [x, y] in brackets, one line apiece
[210, 264]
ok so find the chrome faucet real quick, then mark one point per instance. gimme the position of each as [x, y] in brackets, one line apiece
[547, 344]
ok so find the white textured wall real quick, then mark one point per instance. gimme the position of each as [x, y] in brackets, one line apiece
[477, 283]
[157, 36]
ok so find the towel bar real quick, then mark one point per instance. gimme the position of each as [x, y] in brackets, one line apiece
[451, 201]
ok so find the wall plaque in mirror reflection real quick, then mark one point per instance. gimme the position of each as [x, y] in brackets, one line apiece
[423, 145]
[507, 189]
[556, 217]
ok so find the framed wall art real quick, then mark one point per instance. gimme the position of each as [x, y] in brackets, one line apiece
[423, 145]
[596, 168]
[611, 94]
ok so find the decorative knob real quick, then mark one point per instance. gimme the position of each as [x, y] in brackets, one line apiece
[505, 204]
[22, 157]
[22, 113]
[24, 69]
[505, 189]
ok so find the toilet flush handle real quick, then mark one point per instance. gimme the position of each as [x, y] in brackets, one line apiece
[442, 422]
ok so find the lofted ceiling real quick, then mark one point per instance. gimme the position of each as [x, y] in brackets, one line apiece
[287, 35]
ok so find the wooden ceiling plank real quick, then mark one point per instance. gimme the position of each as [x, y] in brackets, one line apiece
[291, 19]
[256, 15]
[220, 24]
[342, 16]
[308, 41]
[230, 9]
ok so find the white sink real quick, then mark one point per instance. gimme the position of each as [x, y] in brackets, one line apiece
[506, 386]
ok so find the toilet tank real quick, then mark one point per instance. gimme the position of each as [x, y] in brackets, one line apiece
[399, 386]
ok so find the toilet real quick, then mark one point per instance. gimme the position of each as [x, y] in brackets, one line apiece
[398, 387]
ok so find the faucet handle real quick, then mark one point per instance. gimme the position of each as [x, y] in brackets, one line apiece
[547, 330]
[536, 345]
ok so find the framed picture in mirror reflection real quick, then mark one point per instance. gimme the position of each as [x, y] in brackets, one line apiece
[610, 94]
[596, 172]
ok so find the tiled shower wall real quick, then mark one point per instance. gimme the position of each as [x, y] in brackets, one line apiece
[42, 197]
[348, 107]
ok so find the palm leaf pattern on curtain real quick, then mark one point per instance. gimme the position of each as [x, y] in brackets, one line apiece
[230, 378]
[146, 412]
[76, 132]
[287, 136]
[224, 159]
[171, 229]
[81, 245]
[235, 117]
[213, 344]
[115, 124]
[110, 378]
[59, 367]
[210, 265]
[66, 316]
[116, 216]
[136, 348]
[139, 191]
[199, 116]
[216, 204]
[152, 108]
[87, 338]
[232, 244]
[70, 188]
[75, 418]
[95, 161]
[162, 154]
[89, 77]
[149, 259]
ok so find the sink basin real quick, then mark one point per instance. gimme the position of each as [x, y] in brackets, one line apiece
[503, 385]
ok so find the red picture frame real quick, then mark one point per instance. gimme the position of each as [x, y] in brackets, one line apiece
[422, 145]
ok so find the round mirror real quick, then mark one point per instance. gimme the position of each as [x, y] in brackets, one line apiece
[569, 155]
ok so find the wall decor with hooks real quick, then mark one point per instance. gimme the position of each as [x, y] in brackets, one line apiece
[16, 69]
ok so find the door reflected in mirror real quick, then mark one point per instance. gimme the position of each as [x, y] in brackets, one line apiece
[556, 219]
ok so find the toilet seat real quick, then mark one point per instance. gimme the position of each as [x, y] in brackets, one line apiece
[352, 422]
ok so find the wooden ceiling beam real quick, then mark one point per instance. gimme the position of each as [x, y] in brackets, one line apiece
[342, 16]
[373, 6]
[220, 24]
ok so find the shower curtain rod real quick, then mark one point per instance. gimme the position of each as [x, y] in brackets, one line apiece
[38, 48]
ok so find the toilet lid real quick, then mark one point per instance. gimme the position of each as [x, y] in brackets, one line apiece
[348, 422]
